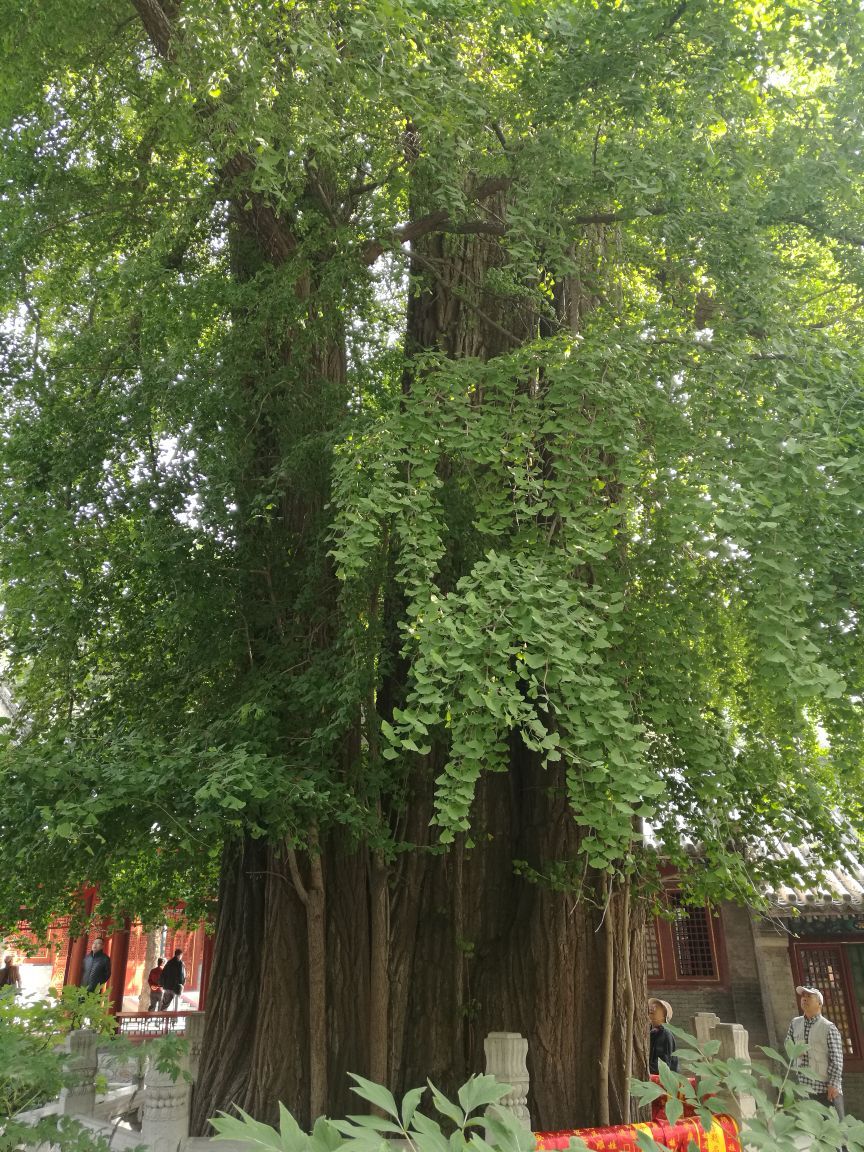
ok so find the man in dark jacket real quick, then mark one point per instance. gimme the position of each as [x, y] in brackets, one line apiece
[172, 979]
[97, 967]
[662, 1040]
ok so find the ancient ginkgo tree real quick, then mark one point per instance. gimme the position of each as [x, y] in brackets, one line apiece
[431, 449]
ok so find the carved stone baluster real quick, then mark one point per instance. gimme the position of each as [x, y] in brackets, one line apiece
[506, 1060]
[165, 1115]
[78, 1097]
[734, 1045]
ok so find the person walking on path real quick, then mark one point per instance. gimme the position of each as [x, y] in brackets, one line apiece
[820, 1068]
[10, 975]
[662, 1040]
[172, 979]
[97, 967]
[153, 983]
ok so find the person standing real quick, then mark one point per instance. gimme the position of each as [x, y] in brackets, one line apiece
[97, 967]
[10, 974]
[153, 983]
[172, 979]
[662, 1041]
[820, 1068]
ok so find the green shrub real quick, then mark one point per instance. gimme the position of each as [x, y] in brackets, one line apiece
[33, 1068]
[784, 1118]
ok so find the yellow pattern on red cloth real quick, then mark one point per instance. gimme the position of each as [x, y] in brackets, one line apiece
[722, 1137]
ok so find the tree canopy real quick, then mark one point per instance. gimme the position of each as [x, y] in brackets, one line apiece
[266, 554]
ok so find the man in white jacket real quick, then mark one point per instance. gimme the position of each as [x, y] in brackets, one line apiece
[820, 1067]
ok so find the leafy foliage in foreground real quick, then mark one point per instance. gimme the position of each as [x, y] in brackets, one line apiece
[33, 1069]
[784, 1118]
[471, 1122]
[783, 1115]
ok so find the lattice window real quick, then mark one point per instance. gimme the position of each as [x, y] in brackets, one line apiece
[653, 963]
[822, 968]
[693, 943]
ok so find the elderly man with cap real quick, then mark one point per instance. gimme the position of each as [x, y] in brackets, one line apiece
[662, 1040]
[820, 1067]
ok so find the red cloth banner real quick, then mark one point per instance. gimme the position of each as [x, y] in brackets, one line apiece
[658, 1106]
[723, 1136]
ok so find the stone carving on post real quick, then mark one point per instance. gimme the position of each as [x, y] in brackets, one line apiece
[507, 1061]
[78, 1097]
[165, 1114]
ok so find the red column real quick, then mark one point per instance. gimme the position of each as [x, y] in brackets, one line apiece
[206, 965]
[119, 959]
[78, 946]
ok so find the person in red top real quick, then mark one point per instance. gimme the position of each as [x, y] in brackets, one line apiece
[153, 984]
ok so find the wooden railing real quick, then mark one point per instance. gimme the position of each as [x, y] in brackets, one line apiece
[149, 1025]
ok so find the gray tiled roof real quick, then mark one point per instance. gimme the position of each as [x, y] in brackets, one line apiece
[839, 889]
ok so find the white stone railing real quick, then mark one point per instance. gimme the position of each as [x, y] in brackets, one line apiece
[507, 1053]
[165, 1103]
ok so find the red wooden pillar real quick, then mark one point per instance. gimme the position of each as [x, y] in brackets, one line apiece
[78, 946]
[206, 965]
[119, 959]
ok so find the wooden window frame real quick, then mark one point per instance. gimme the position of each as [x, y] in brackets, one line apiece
[853, 1062]
[669, 976]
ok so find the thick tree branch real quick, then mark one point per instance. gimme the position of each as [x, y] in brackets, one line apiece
[157, 18]
[491, 185]
[502, 139]
[299, 886]
[441, 221]
[276, 237]
[157, 24]
[675, 15]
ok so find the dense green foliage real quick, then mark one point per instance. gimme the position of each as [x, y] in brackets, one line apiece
[631, 532]
[33, 1067]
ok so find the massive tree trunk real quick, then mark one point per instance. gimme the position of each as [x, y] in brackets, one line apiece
[474, 948]
[421, 960]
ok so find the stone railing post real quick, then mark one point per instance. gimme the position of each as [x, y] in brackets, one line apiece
[734, 1045]
[78, 1097]
[195, 1040]
[506, 1060]
[165, 1112]
[704, 1024]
